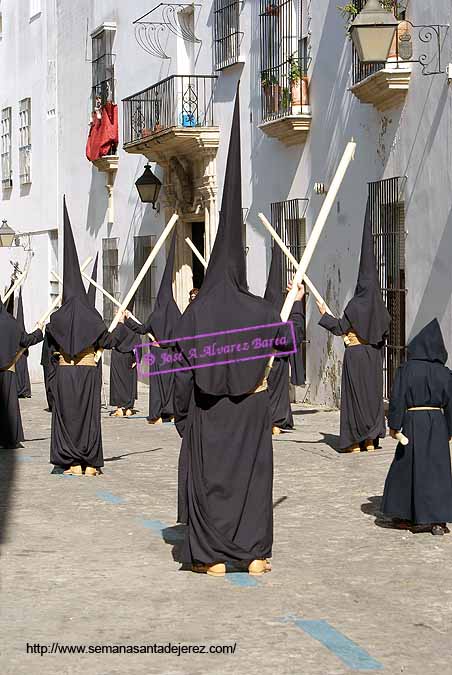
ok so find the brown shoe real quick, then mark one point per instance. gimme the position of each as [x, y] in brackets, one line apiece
[92, 471]
[118, 413]
[352, 448]
[276, 431]
[157, 420]
[214, 570]
[129, 412]
[75, 470]
[369, 445]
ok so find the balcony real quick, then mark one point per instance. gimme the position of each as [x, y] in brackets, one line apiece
[173, 117]
[385, 85]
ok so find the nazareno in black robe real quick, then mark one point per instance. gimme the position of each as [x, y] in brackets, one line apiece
[362, 409]
[226, 461]
[76, 436]
[278, 379]
[161, 323]
[418, 487]
[22, 374]
[123, 373]
[12, 339]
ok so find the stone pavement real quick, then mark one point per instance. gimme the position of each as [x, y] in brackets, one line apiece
[87, 561]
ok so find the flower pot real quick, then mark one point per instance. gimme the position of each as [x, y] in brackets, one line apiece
[272, 10]
[272, 96]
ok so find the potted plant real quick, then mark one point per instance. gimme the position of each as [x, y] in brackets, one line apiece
[350, 10]
[271, 89]
[298, 86]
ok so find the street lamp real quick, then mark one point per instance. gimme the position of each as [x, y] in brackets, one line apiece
[372, 32]
[148, 186]
[7, 235]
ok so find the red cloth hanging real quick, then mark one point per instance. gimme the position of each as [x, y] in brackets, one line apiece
[103, 135]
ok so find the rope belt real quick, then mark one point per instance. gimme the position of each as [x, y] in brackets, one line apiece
[84, 358]
[426, 407]
[351, 339]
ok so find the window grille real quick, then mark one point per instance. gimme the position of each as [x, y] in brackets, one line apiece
[110, 276]
[145, 295]
[284, 58]
[288, 219]
[7, 181]
[25, 141]
[103, 69]
[227, 33]
[53, 264]
[387, 213]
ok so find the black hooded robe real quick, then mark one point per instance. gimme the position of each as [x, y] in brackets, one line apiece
[12, 339]
[226, 461]
[366, 317]
[362, 407]
[161, 324]
[22, 374]
[418, 487]
[123, 373]
[75, 328]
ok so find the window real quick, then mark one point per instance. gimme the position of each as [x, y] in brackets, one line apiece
[145, 295]
[110, 276]
[387, 213]
[25, 141]
[7, 181]
[35, 8]
[284, 59]
[226, 32]
[288, 219]
[103, 70]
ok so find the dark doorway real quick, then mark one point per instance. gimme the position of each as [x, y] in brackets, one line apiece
[197, 237]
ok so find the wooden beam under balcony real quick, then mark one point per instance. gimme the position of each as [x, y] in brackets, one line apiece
[386, 89]
[159, 146]
[290, 130]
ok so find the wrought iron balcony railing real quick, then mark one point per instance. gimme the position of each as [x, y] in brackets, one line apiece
[285, 89]
[184, 101]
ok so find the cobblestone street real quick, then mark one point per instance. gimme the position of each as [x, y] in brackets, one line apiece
[87, 561]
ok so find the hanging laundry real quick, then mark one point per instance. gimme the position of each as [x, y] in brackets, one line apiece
[103, 136]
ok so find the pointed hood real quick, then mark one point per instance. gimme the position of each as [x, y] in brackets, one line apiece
[273, 291]
[166, 313]
[428, 344]
[366, 311]
[224, 302]
[77, 324]
[91, 292]
[9, 337]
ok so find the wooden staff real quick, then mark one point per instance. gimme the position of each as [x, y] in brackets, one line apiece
[403, 440]
[327, 205]
[19, 281]
[143, 270]
[196, 252]
[290, 257]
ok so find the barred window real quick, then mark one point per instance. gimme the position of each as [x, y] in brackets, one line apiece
[25, 141]
[7, 181]
[110, 276]
[288, 219]
[53, 264]
[227, 33]
[103, 69]
[145, 295]
[387, 213]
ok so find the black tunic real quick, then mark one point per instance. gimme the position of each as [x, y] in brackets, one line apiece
[278, 380]
[362, 409]
[76, 436]
[123, 379]
[23, 377]
[11, 431]
[418, 487]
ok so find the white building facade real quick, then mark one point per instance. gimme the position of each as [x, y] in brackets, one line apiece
[303, 95]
